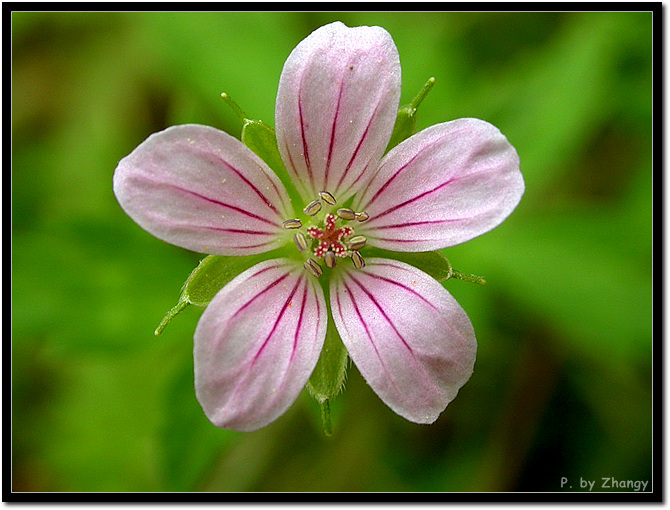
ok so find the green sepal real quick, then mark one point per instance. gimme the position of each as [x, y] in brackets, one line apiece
[432, 263]
[213, 273]
[208, 278]
[470, 278]
[330, 373]
[261, 139]
[405, 123]
[405, 126]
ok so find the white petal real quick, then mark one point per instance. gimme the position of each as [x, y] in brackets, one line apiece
[257, 343]
[201, 189]
[409, 338]
[443, 186]
[336, 107]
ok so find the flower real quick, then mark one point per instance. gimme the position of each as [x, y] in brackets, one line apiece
[260, 337]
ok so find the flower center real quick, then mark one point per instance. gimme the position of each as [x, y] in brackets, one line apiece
[330, 236]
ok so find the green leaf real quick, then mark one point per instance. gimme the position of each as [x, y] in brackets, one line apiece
[432, 263]
[405, 123]
[211, 275]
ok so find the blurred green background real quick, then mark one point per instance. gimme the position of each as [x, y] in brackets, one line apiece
[562, 385]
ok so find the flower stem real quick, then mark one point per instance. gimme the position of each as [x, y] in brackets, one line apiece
[234, 106]
[325, 417]
[423, 93]
[176, 309]
[472, 278]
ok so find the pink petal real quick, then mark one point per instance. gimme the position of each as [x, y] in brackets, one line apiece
[201, 189]
[443, 186]
[336, 106]
[411, 341]
[257, 343]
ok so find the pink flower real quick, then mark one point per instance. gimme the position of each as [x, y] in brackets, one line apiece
[260, 338]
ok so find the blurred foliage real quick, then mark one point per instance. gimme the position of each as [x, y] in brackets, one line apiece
[562, 385]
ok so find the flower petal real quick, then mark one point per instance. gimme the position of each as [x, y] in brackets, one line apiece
[409, 338]
[257, 343]
[445, 185]
[336, 106]
[201, 189]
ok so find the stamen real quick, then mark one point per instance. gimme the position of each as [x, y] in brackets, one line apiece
[300, 241]
[330, 259]
[357, 259]
[327, 197]
[346, 214]
[362, 216]
[313, 267]
[312, 208]
[356, 242]
[292, 223]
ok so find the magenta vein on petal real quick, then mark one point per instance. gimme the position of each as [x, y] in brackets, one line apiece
[398, 284]
[234, 208]
[332, 137]
[298, 327]
[273, 284]
[258, 192]
[383, 312]
[409, 201]
[367, 331]
[278, 320]
[353, 157]
[416, 223]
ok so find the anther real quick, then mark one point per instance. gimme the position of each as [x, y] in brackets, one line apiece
[362, 216]
[330, 259]
[327, 197]
[312, 208]
[292, 224]
[314, 268]
[300, 241]
[346, 214]
[356, 242]
[357, 259]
